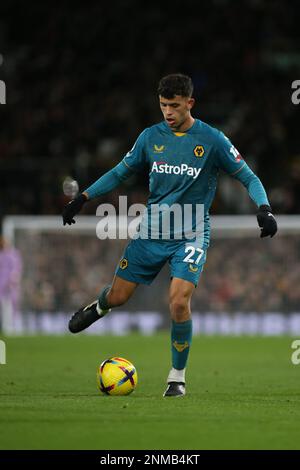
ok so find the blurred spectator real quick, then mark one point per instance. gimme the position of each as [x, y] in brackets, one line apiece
[10, 279]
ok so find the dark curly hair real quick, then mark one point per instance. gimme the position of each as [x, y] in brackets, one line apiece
[175, 84]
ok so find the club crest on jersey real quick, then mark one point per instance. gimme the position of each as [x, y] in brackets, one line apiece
[159, 148]
[199, 151]
[123, 263]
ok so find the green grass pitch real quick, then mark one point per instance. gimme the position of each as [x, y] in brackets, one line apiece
[242, 393]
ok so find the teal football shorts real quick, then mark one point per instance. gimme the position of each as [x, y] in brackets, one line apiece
[143, 259]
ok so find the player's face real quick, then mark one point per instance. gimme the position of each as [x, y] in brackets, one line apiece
[177, 111]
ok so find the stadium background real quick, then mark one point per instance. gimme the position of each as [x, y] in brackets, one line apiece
[81, 85]
[81, 82]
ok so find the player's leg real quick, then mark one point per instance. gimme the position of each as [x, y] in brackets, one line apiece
[117, 293]
[113, 295]
[186, 265]
[180, 295]
[141, 262]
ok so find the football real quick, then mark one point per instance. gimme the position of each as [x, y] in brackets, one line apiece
[116, 376]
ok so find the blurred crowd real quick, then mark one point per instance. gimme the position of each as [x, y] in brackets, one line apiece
[63, 273]
[242, 276]
[81, 83]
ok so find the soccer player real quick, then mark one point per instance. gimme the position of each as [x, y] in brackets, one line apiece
[183, 156]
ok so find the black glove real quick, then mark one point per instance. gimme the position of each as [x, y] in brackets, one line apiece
[72, 208]
[267, 221]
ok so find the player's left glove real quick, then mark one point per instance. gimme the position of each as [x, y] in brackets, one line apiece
[72, 208]
[266, 221]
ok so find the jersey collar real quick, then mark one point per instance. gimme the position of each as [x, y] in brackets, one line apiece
[180, 134]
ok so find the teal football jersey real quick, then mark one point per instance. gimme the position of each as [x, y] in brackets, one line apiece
[183, 170]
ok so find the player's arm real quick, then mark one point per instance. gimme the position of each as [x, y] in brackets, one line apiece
[133, 161]
[230, 160]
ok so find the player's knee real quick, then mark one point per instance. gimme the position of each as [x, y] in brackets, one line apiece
[179, 307]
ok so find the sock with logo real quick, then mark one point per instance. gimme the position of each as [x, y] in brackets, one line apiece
[102, 302]
[181, 337]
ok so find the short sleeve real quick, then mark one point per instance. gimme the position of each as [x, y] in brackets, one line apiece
[228, 157]
[136, 158]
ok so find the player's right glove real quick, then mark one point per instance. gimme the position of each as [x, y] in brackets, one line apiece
[266, 221]
[72, 208]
